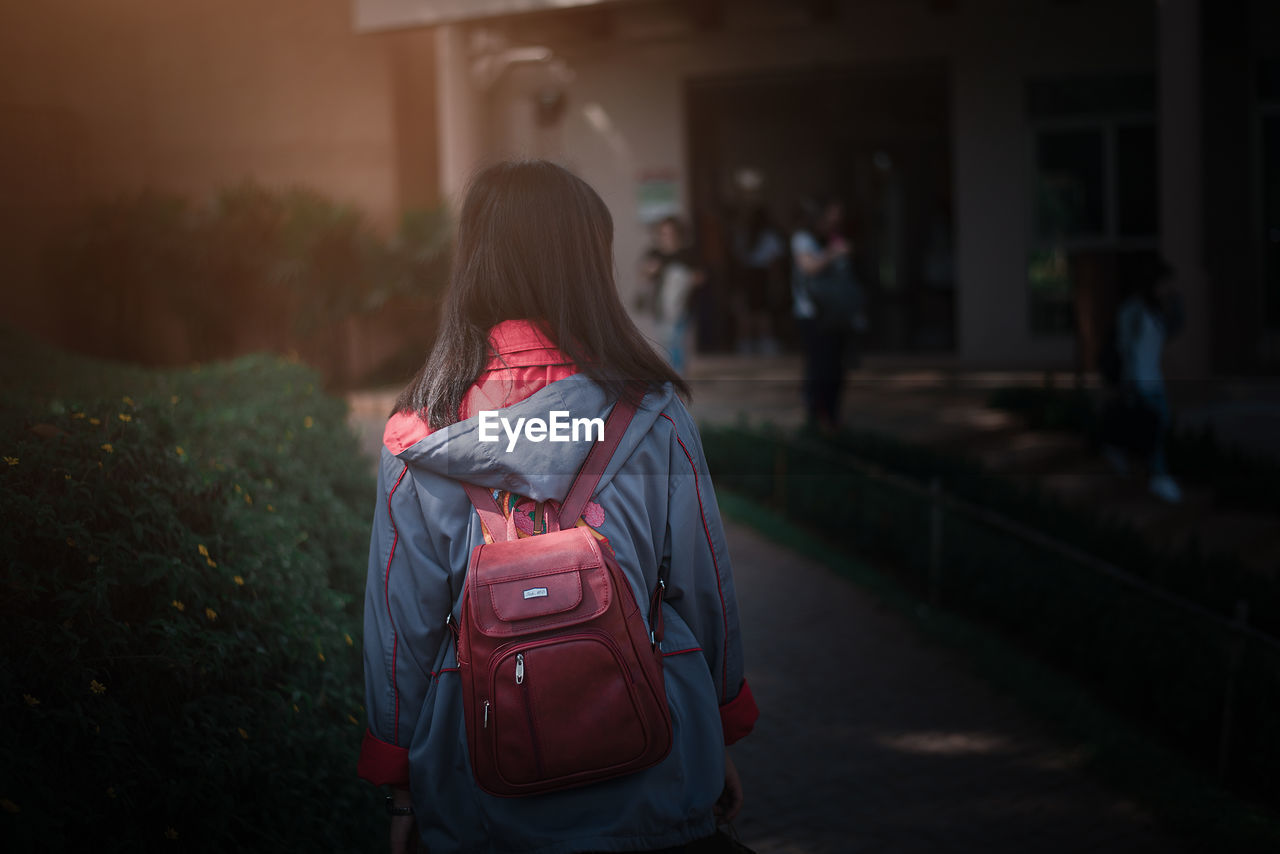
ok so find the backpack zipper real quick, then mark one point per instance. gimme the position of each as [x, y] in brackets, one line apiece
[528, 711]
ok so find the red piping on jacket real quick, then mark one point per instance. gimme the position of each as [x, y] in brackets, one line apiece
[682, 651]
[724, 611]
[386, 595]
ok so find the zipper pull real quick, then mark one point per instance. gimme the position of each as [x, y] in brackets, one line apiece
[486, 715]
[519, 668]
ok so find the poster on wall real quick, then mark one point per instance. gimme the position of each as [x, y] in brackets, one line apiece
[657, 195]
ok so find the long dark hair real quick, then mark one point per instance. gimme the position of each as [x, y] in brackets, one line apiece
[534, 242]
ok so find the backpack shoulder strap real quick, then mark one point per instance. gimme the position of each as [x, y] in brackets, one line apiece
[584, 485]
[491, 516]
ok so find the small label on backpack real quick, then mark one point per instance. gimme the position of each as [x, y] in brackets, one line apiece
[535, 592]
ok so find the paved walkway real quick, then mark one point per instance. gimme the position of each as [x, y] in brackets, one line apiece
[871, 740]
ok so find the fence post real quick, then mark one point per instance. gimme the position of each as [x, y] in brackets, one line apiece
[1228, 700]
[935, 542]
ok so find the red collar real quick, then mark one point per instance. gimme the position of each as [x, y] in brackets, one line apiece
[513, 336]
[524, 360]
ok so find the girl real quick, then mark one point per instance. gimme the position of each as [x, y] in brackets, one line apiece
[532, 325]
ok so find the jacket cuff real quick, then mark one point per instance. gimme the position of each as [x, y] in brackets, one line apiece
[383, 764]
[738, 716]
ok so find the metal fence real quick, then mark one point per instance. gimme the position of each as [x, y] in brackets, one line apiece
[1210, 681]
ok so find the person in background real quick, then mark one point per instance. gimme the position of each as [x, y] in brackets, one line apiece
[819, 248]
[672, 272]
[759, 252]
[1137, 417]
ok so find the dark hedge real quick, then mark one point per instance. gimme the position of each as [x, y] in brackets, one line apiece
[180, 592]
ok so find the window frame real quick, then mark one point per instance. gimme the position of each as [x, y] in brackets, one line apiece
[1108, 123]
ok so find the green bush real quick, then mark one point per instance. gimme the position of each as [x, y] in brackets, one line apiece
[180, 597]
[157, 280]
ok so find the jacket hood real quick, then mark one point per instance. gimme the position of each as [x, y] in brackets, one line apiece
[499, 450]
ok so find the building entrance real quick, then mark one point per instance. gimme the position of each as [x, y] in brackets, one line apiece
[878, 139]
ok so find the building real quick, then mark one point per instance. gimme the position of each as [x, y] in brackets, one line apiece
[1008, 163]
[105, 100]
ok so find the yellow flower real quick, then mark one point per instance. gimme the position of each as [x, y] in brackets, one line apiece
[352, 718]
[30, 700]
[13, 461]
[97, 687]
[9, 806]
[66, 477]
[177, 603]
[211, 614]
[295, 707]
[170, 833]
[111, 791]
[173, 400]
[238, 489]
[239, 581]
[128, 401]
[79, 416]
[210, 561]
[271, 508]
[350, 642]
[180, 451]
[308, 422]
[320, 655]
[106, 446]
[242, 732]
[95, 422]
[125, 417]
[248, 499]
[204, 551]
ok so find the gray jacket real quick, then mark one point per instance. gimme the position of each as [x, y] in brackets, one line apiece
[659, 507]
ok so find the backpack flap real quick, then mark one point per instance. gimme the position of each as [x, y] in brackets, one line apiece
[538, 583]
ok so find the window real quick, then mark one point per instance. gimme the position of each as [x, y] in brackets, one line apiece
[1096, 197]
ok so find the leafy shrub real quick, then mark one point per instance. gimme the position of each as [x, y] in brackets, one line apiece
[157, 280]
[180, 592]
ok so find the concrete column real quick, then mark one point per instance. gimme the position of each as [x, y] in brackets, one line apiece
[459, 111]
[1181, 181]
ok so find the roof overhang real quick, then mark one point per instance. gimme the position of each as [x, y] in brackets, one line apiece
[376, 15]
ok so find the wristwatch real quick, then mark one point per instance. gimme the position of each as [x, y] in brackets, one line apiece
[392, 809]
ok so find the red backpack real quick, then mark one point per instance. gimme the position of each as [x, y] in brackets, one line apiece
[561, 682]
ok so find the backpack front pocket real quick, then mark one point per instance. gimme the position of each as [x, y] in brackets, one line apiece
[562, 707]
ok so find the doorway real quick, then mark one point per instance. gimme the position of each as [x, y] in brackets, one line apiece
[878, 139]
